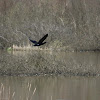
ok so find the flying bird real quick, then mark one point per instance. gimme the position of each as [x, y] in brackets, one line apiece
[40, 42]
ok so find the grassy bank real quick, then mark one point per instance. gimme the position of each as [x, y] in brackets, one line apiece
[46, 62]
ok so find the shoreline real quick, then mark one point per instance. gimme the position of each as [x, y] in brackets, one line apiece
[31, 48]
[69, 73]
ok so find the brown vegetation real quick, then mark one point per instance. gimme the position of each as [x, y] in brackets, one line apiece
[75, 23]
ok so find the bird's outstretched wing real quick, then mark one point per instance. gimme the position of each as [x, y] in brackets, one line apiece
[35, 42]
[42, 39]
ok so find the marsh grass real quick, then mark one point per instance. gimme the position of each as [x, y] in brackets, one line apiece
[74, 22]
[55, 45]
[30, 47]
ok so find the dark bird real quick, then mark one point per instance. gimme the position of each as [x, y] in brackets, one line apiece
[40, 42]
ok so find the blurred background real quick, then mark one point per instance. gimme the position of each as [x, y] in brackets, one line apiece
[71, 24]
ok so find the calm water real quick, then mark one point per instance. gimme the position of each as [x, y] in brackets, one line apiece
[74, 86]
[49, 88]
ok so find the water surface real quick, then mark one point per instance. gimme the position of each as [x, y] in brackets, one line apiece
[49, 88]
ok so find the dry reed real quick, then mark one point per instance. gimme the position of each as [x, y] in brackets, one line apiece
[29, 47]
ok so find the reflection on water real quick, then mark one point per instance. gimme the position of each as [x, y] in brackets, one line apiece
[49, 88]
[46, 62]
